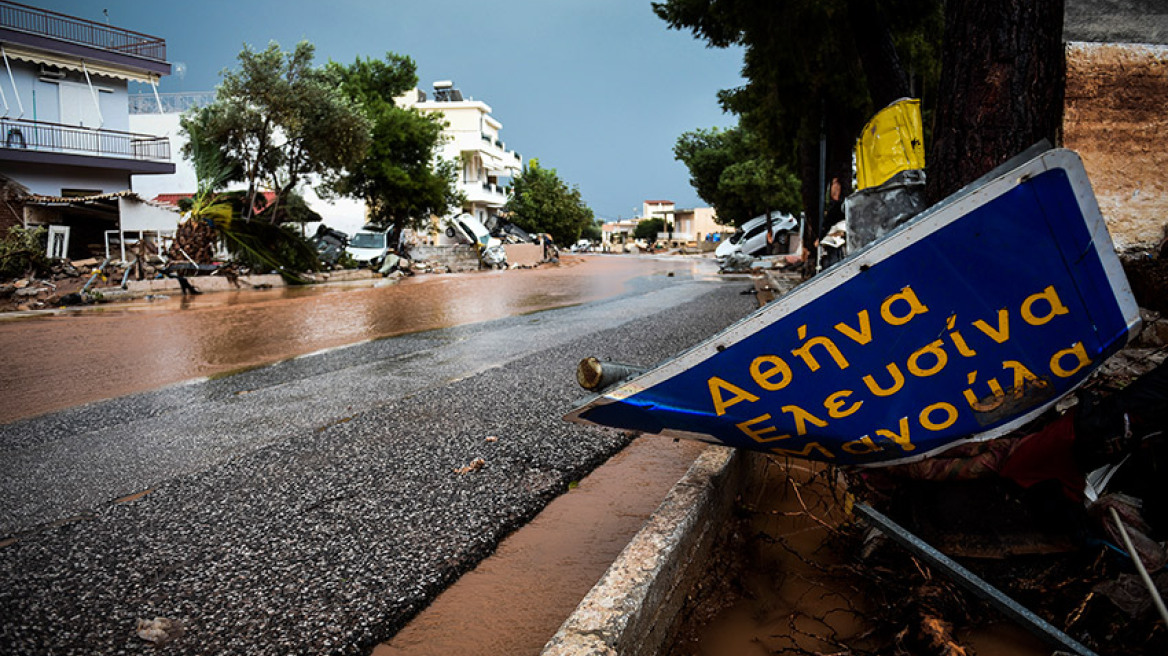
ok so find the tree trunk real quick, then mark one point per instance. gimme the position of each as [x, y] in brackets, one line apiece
[1001, 91]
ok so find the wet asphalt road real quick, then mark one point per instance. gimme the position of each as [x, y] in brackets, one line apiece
[312, 506]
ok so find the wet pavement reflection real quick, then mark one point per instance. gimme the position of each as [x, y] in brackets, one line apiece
[61, 359]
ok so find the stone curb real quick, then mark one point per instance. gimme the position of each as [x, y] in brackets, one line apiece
[632, 610]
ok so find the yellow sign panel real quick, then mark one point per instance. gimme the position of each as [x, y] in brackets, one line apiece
[893, 141]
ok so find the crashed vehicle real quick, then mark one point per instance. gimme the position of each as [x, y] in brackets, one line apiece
[330, 244]
[369, 245]
[470, 229]
[751, 238]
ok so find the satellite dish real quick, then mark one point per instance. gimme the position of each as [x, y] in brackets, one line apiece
[179, 69]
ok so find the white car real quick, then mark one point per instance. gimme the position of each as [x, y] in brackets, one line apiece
[491, 251]
[751, 238]
[472, 230]
[368, 246]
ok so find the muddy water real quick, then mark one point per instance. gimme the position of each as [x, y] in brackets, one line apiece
[57, 360]
[792, 601]
[514, 601]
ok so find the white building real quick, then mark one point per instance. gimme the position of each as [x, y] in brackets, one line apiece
[65, 133]
[159, 114]
[485, 166]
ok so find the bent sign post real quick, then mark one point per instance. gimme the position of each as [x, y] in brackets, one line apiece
[962, 325]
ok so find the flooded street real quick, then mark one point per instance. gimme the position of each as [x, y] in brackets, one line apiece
[70, 357]
[320, 504]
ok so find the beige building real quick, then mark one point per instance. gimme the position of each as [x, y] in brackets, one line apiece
[474, 142]
[696, 225]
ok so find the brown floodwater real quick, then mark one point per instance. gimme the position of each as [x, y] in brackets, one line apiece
[793, 603]
[514, 601]
[58, 359]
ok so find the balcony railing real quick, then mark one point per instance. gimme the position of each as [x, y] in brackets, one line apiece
[75, 140]
[32, 20]
[172, 103]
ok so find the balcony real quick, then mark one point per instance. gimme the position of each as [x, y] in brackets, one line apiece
[44, 23]
[37, 141]
[679, 237]
[484, 192]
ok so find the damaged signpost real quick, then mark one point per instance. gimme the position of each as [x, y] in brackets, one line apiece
[961, 325]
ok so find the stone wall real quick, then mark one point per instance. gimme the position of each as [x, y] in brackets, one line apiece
[1116, 117]
[455, 258]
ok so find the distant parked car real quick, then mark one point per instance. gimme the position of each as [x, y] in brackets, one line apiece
[369, 246]
[582, 246]
[751, 238]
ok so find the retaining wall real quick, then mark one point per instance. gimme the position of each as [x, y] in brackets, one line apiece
[633, 610]
[455, 258]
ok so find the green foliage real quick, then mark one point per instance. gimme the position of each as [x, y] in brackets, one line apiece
[22, 252]
[264, 246]
[541, 202]
[647, 229]
[806, 74]
[277, 119]
[292, 209]
[398, 178]
[592, 232]
[730, 171]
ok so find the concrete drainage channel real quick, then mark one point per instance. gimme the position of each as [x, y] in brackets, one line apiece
[633, 609]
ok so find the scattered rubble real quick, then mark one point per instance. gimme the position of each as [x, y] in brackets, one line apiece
[474, 465]
[159, 630]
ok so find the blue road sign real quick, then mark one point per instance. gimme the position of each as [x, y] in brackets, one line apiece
[962, 325]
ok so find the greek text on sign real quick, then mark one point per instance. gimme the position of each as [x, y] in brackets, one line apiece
[962, 325]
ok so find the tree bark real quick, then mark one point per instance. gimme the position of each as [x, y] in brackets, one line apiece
[1001, 91]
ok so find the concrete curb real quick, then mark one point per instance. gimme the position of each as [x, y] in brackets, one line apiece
[632, 610]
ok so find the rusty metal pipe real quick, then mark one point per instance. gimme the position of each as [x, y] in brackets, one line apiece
[596, 376]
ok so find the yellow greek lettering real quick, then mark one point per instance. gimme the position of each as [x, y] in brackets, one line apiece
[802, 417]
[861, 446]
[757, 434]
[958, 341]
[762, 377]
[835, 405]
[938, 353]
[901, 437]
[979, 405]
[805, 451]
[861, 336]
[1081, 360]
[907, 295]
[809, 358]
[720, 403]
[1051, 297]
[897, 382]
[926, 417]
[1022, 376]
[1002, 332]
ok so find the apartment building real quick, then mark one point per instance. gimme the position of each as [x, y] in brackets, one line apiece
[64, 128]
[473, 141]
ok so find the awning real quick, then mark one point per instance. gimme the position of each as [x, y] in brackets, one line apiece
[78, 64]
[57, 201]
